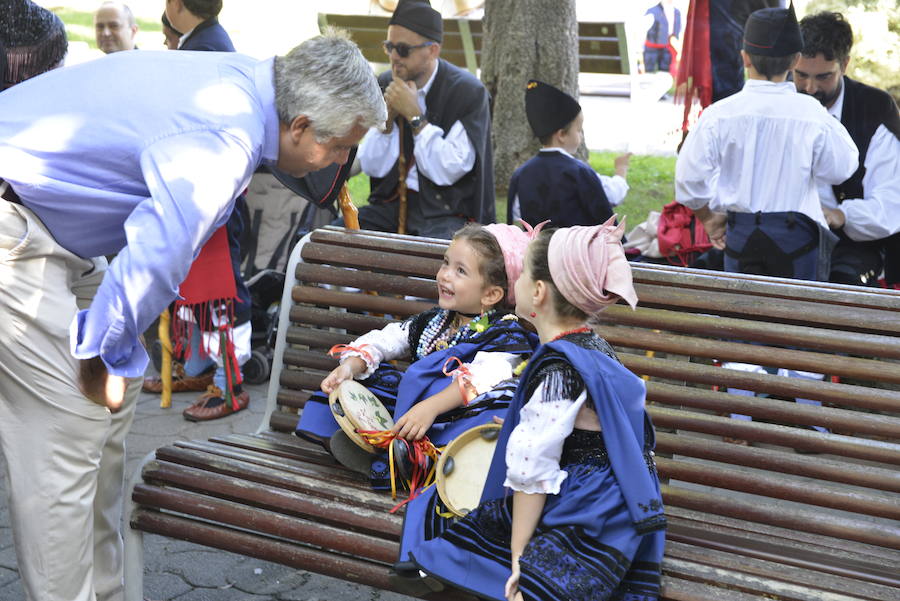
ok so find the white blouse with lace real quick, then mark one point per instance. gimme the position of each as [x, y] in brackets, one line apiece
[486, 370]
[535, 446]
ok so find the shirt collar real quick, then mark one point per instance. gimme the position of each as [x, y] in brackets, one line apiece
[836, 109]
[557, 149]
[184, 37]
[761, 85]
[425, 89]
[264, 76]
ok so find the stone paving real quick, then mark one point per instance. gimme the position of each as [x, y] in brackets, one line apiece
[181, 571]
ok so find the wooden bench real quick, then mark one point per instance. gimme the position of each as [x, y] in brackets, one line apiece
[745, 522]
[602, 47]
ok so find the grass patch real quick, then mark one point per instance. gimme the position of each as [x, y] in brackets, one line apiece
[650, 178]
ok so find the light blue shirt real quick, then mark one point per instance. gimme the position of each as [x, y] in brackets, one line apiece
[140, 153]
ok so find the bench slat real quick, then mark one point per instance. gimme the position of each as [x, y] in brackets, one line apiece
[366, 280]
[357, 324]
[357, 301]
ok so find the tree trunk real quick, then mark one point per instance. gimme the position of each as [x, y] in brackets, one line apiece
[524, 39]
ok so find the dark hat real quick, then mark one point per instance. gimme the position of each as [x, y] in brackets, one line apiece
[34, 40]
[548, 108]
[418, 16]
[773, 32]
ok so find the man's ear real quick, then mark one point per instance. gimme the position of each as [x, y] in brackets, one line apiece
[844, 64]
[298, 126]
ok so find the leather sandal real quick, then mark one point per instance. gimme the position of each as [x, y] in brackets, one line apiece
[212, 405]
[181, 382]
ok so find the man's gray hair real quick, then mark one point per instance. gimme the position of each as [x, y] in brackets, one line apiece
[328, 80]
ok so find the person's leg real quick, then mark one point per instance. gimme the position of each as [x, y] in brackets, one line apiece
[200, 359]
[51, 435]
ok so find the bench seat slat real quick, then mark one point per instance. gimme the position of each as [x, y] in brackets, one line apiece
[356, 324]
[366, 280]
[794, 438]
[356, 301]
[265, 521]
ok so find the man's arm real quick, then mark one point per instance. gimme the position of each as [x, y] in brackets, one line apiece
[877, 215]
[193, 180]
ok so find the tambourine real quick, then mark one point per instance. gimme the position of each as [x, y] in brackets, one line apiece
[355, 408]
[463, 468]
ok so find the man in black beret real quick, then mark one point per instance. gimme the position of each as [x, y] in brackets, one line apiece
[864, 210]
[438, 124]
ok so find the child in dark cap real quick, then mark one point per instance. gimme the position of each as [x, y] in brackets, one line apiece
[553, 184]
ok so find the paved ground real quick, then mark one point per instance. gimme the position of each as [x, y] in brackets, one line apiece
[176, 570]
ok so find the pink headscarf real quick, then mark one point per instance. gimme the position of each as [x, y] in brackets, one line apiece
[589, 268]
[513, 242]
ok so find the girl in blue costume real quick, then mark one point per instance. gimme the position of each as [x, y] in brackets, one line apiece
[585, 520]
[472, 291]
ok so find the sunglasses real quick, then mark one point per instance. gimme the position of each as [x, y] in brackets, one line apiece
[403, 49]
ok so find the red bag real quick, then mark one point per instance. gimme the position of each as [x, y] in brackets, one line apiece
[681, 235]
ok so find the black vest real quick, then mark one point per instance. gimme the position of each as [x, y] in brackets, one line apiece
[865, 109]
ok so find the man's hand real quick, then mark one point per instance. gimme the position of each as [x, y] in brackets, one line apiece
[96, 383]
[714, 223]
[401, 98]
[834, 217]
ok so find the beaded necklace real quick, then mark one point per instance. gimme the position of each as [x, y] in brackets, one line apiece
[436, 335]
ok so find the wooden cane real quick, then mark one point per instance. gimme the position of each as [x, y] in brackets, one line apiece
[348, 209]
[401, 188]
[165, 369]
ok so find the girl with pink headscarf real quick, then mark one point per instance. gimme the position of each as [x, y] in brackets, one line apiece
[571, 508]
[471, 326]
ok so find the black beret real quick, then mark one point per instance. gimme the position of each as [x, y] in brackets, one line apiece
[548, 108]
[773, 32]
[418, 16]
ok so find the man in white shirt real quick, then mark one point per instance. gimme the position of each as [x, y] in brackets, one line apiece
[759, 154]
[439, 121]
[864, 210]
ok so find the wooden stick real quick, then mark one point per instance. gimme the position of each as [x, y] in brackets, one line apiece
[348, 209]
[165, 370]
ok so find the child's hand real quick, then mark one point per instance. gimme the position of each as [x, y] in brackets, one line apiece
[622, 161]
[413, 424]
[511, 589]
[347, 370]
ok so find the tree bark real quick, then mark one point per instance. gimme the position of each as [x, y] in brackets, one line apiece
[525, 39]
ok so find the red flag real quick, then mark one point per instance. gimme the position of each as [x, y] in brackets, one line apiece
[694, 81]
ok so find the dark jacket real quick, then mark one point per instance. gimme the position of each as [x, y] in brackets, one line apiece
[455, 95]
[208, 36]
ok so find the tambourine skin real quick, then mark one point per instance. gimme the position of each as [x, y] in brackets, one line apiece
[355, 408]
[463, 466]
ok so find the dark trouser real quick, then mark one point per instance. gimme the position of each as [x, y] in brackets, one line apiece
[856, 263]
[384, 217]
[892, 260]
[656, 59]
[783, 244]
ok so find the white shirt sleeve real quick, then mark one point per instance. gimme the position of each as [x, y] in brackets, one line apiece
[443, 159]
[697, 166]
[379, 151]
[615, 188]
[535, 446]
[878, 214]
[377, 346]
[836, 156]
[516, 209]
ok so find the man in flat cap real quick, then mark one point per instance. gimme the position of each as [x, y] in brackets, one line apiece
[863, 210]
[758, 155]
[148, 170]
[436, 149]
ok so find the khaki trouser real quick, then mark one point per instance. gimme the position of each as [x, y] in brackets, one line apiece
[64, 454]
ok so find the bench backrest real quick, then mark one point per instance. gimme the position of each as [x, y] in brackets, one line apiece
[687, 322]
[601, 46]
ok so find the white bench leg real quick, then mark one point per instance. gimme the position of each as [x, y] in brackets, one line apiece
[134, 539]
